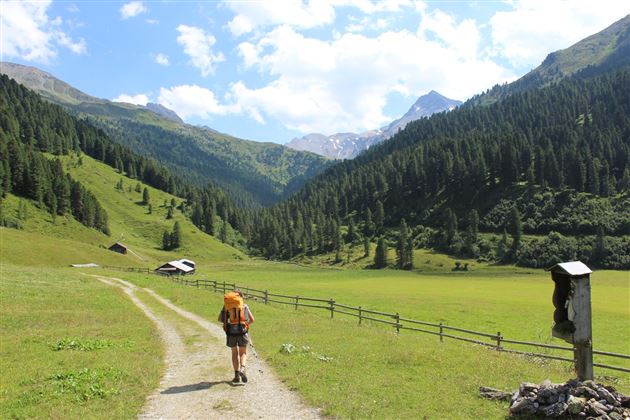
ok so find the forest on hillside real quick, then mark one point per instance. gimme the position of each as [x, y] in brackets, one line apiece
[33, 132]
[555, 159]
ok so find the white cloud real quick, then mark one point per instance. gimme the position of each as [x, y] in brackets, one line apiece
[139, 99]
[198, 46]
[132, 9]
[300, 14]
[533, 28]
[463, 37]
[192, 100]
[251, 15]
[343, 84]
[29, 33]
[162, 59]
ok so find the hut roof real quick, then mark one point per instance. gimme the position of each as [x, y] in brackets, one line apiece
[178, 265]
[572, 268]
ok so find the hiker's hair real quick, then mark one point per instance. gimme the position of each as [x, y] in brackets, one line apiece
[238, 292]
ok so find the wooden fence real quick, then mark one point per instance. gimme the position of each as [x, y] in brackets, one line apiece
[495, 341]
[129, 269]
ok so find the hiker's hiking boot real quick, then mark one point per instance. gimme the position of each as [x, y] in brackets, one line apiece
[237, 378]
[243, 376]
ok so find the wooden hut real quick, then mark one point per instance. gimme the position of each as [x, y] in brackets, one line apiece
[175, 268]
[120, 248]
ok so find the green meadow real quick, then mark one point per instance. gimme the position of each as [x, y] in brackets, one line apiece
[364, 371]
[73, 347]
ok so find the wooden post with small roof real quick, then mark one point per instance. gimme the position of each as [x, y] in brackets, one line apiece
[572, 299]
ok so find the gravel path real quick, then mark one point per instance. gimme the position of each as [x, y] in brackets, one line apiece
[196, 383]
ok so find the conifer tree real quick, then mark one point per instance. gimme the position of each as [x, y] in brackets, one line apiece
[366, 246]
[516, 230]
[380, 256]
[379, 217]
[176, 236]
[166, 241]
[145, 196]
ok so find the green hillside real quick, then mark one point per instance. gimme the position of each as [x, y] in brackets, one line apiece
[596, 54]
[253, 173]
[43, 240]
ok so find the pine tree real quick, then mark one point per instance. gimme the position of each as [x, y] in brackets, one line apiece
[176, 236]
[145, 196]
[380, 256]
[599, 251]
[402, 246]
[166, 241]
[366, 246]
[379, 217]
[169, 213]
[223, 232]
[501, 251]
[516, 230]
[138, 187]
[351, 236]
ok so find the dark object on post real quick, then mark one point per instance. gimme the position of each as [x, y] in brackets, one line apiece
[572, 316]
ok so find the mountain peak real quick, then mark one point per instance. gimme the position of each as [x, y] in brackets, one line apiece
[349, 145]
[163, 111]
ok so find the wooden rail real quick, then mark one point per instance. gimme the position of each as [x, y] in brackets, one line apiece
[496, 341]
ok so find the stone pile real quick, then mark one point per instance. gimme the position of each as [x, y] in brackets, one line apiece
[573, 399]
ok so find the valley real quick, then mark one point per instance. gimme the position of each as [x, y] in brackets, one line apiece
[448, 216]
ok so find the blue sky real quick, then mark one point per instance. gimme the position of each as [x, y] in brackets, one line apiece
[274, 70]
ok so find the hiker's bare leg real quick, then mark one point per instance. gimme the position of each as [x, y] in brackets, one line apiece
[242, 352]
[235, 358]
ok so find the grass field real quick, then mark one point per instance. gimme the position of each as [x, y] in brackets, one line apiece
[349, 371]
[72, 347]
[369, 371]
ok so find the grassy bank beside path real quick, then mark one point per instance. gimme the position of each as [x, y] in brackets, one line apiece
[72, 347]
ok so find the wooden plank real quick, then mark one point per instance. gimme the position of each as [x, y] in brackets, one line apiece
[583, 336]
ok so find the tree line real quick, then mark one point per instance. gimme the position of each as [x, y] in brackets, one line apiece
[570, 137]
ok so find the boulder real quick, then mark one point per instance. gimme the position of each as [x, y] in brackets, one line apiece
[494, 394]
[553, 410]
[596, 410]
[524, 406]
[528, 387]
[548, 396]
[615, 416]
[584, 391]
[575, 404]
[606, 395]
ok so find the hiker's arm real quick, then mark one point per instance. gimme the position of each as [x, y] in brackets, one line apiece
[250, 315]
[221, 315]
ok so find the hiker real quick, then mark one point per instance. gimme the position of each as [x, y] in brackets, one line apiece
[236, 325]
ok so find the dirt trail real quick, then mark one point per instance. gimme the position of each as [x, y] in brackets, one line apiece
[196, 383]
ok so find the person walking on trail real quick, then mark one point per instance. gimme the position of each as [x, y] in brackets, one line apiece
[236, 318]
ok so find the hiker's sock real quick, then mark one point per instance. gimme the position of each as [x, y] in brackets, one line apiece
[243, 376]
[237, 377]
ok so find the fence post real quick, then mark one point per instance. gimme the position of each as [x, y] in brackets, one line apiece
[441, 331]
[297, 298]
[214, 284]
[197, 283]
[360, 315]
[499, 348]
[223, 286]
[397, 323]
[266, 297]
[331, 302]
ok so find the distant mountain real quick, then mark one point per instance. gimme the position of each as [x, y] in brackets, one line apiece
[349, 145]
[253, 173]
[164, 112]
[597, 54]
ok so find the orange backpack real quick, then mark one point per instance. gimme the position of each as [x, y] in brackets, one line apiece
[234, 316]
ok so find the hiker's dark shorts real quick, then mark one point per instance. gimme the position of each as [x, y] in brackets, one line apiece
[240, 340]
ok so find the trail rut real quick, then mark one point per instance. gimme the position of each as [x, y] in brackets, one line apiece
[196, 383]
